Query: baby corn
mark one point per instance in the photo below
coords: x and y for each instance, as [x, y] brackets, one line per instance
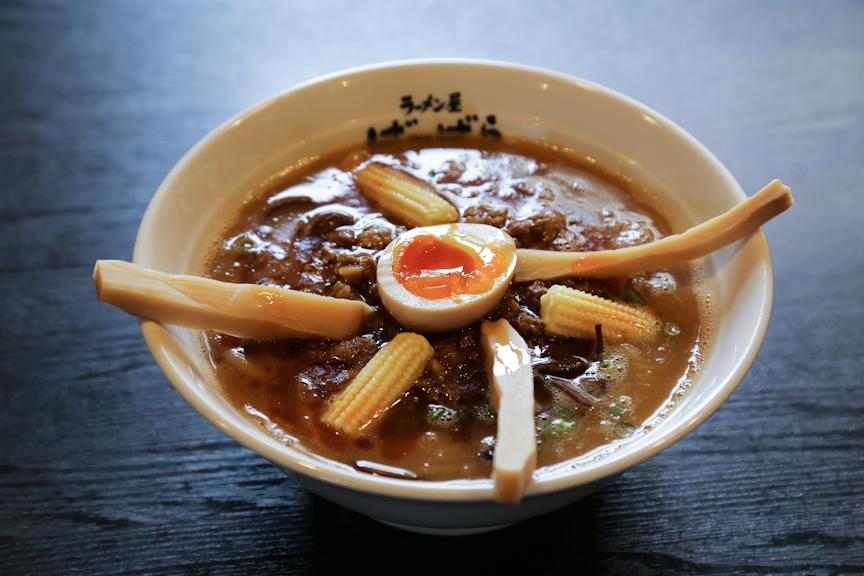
[387, 376]
[573, 313]
[404, 197]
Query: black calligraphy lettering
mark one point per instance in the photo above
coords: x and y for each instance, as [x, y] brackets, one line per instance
[454, 103]
[490, 131]
[395, 129]
[461, 127]
[407, 104]
[427, 103]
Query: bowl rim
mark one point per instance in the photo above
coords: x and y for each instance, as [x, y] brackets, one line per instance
[319, 468]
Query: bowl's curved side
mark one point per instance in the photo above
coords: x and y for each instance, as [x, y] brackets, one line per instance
[217, 173]
[449, 518]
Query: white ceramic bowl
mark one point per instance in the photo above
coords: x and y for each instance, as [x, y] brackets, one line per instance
[207, 186]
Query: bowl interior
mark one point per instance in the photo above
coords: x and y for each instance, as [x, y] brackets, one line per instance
[203, 191]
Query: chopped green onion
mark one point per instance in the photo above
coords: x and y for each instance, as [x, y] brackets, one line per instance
[555, 429]
[617, 410]
[623, 429]
[632, 295]
[440, 417]
[564, 412]
[559, 425]
[438, 413]
[243, 243]
[671, 329]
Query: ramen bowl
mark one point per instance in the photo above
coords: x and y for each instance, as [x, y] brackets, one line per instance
[487, 99]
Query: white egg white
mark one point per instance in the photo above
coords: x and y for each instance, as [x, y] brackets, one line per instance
[438, 315]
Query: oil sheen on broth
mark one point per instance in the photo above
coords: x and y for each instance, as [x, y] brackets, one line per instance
[312, 230]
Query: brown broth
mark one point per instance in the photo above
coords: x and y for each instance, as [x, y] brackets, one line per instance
[310, 225]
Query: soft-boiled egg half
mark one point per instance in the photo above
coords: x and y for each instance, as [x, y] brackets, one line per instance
[437, 278]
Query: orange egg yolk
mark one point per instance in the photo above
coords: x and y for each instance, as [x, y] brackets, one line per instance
[434, 267]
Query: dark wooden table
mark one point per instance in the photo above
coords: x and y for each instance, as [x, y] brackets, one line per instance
[105, 469]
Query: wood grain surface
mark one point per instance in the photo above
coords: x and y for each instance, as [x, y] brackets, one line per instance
[104, 468]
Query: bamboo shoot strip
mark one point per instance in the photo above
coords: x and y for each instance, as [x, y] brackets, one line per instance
[701, 240]
[243, 310]
[512, 383]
